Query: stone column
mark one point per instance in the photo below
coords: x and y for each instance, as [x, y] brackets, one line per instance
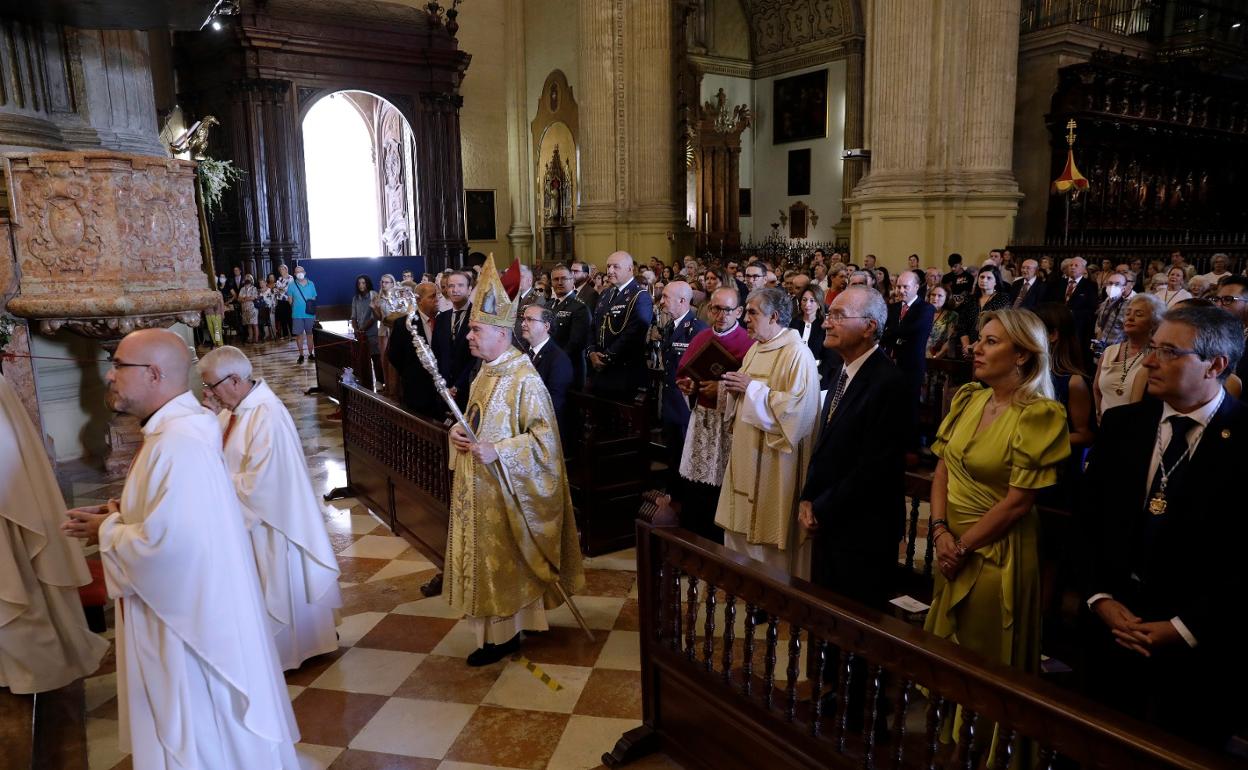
[854, 134]
[519, 165]
[940, 131]
[599, 59]
[31, 96]
[118, 106]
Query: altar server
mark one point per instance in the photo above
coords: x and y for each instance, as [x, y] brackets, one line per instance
[298, 571]
[199, 685]
[44, 640]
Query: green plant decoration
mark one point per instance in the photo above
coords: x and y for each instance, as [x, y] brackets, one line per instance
[215, 177]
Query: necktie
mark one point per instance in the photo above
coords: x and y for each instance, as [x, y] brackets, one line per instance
[1070, 289]
[901, 314]
[1179, 428]
[456, 319]
[533, 354]
[841, 383]
[229, 427]
[1022, 294]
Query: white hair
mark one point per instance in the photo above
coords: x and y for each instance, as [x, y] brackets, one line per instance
[526, 271]
[225, 361]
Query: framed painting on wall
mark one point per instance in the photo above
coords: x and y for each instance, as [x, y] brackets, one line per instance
[744, 202]
[799, 172]
[797, 223]
[800, 107]
[479, 213]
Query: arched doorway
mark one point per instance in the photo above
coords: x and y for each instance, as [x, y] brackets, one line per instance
[357, 150]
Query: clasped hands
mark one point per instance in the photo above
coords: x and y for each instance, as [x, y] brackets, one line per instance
[708, 389]
[1132, 632]
[598, 360]
[736, 382]
[483, 451]
[948, 559]
[84, 523]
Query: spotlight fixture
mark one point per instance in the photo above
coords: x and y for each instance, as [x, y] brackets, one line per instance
[222, 9]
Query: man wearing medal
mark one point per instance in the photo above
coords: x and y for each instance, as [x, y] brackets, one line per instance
[617, 353]
[1162, 537]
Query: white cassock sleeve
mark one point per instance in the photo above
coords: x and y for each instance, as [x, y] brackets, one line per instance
[754, 410]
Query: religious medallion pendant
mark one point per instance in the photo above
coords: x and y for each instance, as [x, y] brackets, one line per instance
[1157, 505]
[1118, 391]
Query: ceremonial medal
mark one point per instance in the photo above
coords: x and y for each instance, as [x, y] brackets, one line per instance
[1157, 505]
[1118, 391]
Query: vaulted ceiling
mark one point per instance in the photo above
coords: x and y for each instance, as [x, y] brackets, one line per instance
[779, 27]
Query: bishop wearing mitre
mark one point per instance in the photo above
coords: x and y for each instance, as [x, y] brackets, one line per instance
[298, 570]
[44, 640]
[774, 405]
[198, 680]
[511, 534]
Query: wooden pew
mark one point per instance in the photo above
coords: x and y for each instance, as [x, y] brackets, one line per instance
[397, 464]
[712, 697]
[337, 349]
[608, 468]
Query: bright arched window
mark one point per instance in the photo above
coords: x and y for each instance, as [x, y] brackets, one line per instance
[341, 175]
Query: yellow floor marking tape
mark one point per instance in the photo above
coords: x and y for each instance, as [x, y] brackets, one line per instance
[537, 671]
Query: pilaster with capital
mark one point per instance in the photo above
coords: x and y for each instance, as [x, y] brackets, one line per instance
[440, 181]
[520, 236]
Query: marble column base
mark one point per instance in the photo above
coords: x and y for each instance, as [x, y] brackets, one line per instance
[932, 225]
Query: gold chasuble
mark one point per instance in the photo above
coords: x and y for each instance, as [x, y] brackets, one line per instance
[512, 531]
[773, 436]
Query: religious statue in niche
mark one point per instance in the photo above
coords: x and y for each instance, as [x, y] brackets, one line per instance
[554, 97]
[395, 234]
[557, 192]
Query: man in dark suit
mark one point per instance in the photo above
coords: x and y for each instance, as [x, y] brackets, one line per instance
[677, 335]
[1233, 297]
[905, 338]
[584, 287]
[419, 394]
[617, 354]
[1163, 535]
[1082, 297]
[551, 362]
[1028, 290]
[450, 338]
[853, 502]
[572, 322]
[526, 296]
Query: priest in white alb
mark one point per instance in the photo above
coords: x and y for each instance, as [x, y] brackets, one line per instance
[774, 403]
[298, 570]
[199, 684]
[44, 640]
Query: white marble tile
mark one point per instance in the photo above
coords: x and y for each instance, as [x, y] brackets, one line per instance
[458, 642]
[621, 560]
[431, 607]
[586, 739]
[376, 547]
[103, 744]
[622, 651]
[519, 688]
[353, 627]
[293, 690]
[414, 728]
[314, 757]
[599, 612]
[99, 690]
[378, 672]
[399, 568]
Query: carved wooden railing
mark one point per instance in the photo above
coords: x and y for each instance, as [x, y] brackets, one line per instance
[397, 463]
[718, 692]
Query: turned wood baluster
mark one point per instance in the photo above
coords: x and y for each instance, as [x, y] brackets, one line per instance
[708, 641]
[842, 725]
[899, 723]
[967, 736]
[673, 599]
[769, 670]
[1005, 748]
[935, 716]
[795, 658]
[913, 537]
[730, 622]
[821, 664]
[747, 655]
[874, 693]
[691, 620]
[931, 547]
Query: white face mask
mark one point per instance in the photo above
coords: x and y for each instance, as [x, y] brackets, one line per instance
[1113, 292]
[221, 280]
[300, 275]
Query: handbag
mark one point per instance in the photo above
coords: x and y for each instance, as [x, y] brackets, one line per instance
[309, 305]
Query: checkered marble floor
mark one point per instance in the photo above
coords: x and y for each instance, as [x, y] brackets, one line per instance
[397, 692]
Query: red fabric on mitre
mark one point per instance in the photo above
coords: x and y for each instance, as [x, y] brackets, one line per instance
[510, 279]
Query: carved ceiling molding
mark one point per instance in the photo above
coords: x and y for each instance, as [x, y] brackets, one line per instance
[812, 56]
[777, 27]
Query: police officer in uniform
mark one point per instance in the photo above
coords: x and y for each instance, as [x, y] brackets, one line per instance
[676, 338]
[572, 322]
[617, 355]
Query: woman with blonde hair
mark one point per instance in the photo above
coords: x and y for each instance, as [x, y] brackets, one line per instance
[1120, 374]
[1002, 441]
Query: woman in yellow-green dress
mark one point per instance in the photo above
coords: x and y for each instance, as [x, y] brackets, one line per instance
[1002, 441]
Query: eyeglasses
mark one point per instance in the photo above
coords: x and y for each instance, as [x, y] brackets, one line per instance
[754, 276]
[123, 364]
[1166, 353]
[836, 318]
[527, 320]
[218, 382]
[1228, 301]
[721, 309]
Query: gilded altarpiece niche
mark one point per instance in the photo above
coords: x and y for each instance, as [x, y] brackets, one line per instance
[556, 173]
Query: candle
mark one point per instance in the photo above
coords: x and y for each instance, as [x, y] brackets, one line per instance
[706, 222]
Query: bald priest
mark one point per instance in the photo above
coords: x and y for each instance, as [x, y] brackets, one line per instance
[198, 681]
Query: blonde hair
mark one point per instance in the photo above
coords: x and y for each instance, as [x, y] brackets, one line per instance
[1026, 331]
